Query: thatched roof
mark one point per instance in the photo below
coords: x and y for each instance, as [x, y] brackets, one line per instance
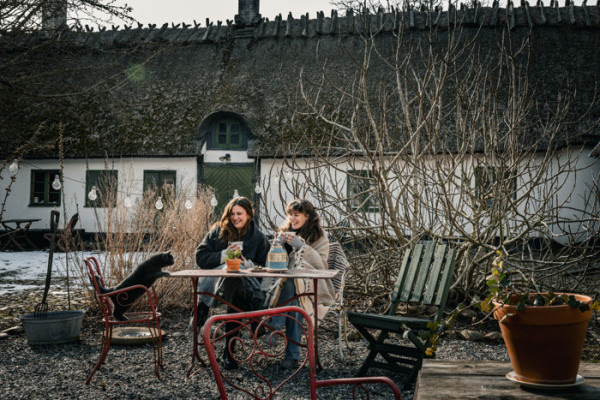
[147, 90]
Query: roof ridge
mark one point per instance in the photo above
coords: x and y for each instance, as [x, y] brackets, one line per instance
[353, 23]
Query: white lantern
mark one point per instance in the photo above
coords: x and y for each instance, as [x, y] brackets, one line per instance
[214, 202]
[188, 204]
[14, 167]
[56, 184]
[127, 202]
[257, 188]
[93, 195]
[235, 194]
[159, 204]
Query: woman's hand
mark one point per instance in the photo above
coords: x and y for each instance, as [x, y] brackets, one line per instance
[293, 240]
[281, 238]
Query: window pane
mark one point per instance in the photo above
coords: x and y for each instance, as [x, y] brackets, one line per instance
[169, 178]
[53, 195]
[151, 179]
[227, 133]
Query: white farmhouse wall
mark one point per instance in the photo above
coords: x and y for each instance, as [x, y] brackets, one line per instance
[575, 194]
[130, 178]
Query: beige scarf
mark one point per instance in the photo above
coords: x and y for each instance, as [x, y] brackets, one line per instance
[313, 257]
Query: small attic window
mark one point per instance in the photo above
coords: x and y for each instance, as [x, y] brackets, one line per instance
[228, 134]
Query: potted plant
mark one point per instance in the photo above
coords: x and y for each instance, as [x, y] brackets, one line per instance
[543, 331]
[233, 258]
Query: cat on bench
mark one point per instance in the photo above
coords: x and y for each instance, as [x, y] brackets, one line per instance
[145, 274]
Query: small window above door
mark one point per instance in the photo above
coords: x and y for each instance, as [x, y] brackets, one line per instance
[227, 134]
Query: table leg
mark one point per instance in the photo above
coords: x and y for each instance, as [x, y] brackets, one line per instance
[195, 354]
[316, 325]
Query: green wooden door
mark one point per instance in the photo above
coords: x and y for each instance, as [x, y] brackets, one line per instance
[225, 179]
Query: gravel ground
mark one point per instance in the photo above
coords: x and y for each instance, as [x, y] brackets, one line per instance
[59, 371]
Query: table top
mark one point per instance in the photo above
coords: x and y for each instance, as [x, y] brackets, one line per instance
[483, 380]
[291, 273]
[19, 220]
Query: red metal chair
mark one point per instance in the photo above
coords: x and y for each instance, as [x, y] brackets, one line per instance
[259, 377]
[149, 316]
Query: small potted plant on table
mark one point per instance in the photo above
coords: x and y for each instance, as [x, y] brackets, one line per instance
[233, 258]
[543, 331]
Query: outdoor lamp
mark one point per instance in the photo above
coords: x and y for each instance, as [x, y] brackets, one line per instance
[235, 194]
[93, 195]
[214, 201]
[257, 189]
[158, 204]
[127, 201]
[56, 183]
[189, 204]
[14, 167]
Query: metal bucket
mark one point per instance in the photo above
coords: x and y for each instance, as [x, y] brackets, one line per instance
[58, 327]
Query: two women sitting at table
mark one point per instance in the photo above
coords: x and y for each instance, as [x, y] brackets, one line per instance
[307, 246]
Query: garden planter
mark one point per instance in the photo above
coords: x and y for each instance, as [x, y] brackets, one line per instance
[55, 328]
[233, 265]
[544, 342]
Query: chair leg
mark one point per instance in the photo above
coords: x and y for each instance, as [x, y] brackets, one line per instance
[156, 346]
[373, 353]
[340, 349]
[105, 347]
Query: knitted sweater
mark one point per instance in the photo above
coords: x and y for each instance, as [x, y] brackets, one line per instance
[313, 256]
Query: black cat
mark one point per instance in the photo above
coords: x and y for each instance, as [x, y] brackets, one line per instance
[144, 274]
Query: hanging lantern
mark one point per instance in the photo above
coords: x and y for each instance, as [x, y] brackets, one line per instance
[93, 194]
[188, 203]
[214, 202]
[257, 189]
[127, 202]
[235, 194]
[159, 204]
[14, 167]
[56, 183]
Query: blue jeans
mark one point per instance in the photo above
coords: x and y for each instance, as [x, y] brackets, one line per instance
[293, 330]
[243, 293]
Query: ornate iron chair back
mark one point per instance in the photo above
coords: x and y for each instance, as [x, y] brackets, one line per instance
[258, 374]
[148, 316]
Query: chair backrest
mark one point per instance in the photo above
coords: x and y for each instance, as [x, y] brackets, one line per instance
[71, 225]
[425, 276]
[337, 261]
[261, 373]
[94, 271]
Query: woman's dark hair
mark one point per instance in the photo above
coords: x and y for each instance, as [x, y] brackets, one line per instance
[228, 232]
[312, 230]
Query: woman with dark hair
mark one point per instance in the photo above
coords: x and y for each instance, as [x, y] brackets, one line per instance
[236, 225]
[307, 246]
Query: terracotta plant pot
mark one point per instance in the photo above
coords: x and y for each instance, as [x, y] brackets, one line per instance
[544, 342]
[233, 265]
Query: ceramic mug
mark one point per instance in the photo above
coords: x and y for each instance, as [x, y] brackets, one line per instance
[238, 244]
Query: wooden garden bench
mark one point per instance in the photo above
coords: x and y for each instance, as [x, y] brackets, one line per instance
[424, 278]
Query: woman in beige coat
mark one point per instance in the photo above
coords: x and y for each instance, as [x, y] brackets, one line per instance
[307, 246]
